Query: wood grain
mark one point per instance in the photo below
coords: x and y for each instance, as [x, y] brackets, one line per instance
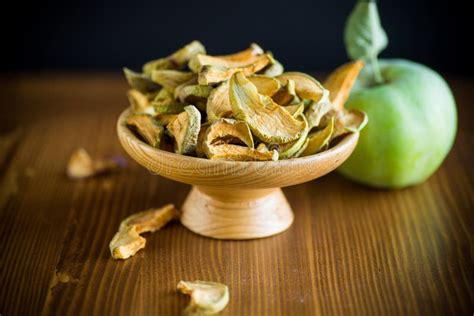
[236, 214]
[350, 250]
[234, 174]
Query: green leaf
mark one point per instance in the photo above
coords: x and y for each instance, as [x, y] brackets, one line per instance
[364, 36]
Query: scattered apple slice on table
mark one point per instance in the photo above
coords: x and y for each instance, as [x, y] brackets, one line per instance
[207, 298]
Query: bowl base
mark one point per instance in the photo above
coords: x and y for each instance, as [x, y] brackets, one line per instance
[225, 213]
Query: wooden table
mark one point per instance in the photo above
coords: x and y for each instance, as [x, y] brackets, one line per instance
[350, 250]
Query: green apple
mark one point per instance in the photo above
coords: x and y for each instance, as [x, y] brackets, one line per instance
[412, 125]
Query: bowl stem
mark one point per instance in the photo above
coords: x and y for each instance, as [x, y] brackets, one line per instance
[232, 213]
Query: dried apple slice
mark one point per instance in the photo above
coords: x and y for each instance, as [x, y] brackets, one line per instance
[163, 96]
[349, 121]
[267, 120]
[218, 103]
[273, 70]
[207, 298]
[127, 241]
[316, 110]
[194, 93]
[210, 74]
[164, 103]
[158, 64]
[319, 139]
[177, 60]
[168, 107]
[139, 102]
[147, 127]
[341, 81]
[288, 150]
[253, 50]
[185, 129]
[228, 131]
[229, 139]
[182, 56]
[302, 148]
[81, 165]
[202, 132]
[265, 85]
[237, 60]
[262, 147]
[150, 220]
[165, 119]
[140, 82]
[306, 86]
[296, 109]
[239, 153]
[170, 79]
[286, 95]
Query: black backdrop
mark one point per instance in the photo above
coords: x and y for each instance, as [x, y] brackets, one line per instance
[304, 35]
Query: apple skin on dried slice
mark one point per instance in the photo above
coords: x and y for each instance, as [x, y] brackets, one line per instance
[290, 149]
[192, 94]
[267, 120]
[168, 108]
[319, 139]
[164, 103]
[185, 130]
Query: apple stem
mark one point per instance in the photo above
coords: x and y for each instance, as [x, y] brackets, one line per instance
[376, 69]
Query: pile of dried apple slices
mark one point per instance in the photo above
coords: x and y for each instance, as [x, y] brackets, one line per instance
[238, 107]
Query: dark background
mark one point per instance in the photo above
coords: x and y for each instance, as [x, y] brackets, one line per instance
[303, 35]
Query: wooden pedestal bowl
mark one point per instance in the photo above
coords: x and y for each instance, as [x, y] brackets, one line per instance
[235, 199]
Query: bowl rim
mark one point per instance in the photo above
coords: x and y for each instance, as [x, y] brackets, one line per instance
[346, 141]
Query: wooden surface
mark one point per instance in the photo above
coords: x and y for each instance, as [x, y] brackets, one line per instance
[350, 250]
